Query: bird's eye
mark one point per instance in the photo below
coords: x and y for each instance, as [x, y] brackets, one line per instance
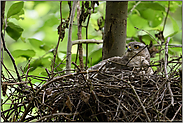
[136, 46]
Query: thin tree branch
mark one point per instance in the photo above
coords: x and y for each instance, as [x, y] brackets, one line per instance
[172, 45]
[60, 37]
[166, 56]
[87, 38]
[87, 41]
[138, 98]
[165, 68]
[56, 114]
[26, 110]
[14, 83]
[134, 7]
[69, 43]
[7, 70]
[166, 15]
[12, 59]
[176, 113]
[80, 48]
[2, 12]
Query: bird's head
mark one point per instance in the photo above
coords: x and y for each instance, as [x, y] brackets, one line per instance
[134, 47]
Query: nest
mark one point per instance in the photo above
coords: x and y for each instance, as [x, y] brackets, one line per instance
[125, 96]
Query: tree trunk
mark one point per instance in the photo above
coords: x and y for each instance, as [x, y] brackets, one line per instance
[115, 29]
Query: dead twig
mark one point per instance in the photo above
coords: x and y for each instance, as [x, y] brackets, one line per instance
[69, 43]
[166, 15]
[87, 41]
[58, 42]
[56, 114]
[165, 68]
[17, 83]
[134, 7]
[138, 98]
[80, 47]
[176, 113]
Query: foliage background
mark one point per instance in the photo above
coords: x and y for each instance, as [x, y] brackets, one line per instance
[37, 24]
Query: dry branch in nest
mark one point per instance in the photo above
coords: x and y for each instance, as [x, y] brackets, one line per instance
[120, 96]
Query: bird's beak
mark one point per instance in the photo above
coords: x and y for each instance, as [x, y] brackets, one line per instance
[129, 49]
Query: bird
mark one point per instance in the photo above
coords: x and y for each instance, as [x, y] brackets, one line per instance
[136, 58]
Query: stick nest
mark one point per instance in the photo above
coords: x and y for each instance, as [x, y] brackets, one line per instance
[80, 96]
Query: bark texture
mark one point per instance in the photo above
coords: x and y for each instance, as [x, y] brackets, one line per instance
[115, 29]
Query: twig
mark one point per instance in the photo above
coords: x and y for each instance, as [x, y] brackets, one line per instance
[138, 98]
[80, 48]
[2, 12]
[173, 45]
[149, 34]
[60, 62]
[48, 73]
[76, 109]
[32, 87]
[96, 99]
[166, 15]
[176, 113]
[166, 60]
[134, 7]
[60, 37]
[26, 111]
[87, 41]
[15, 83]
[118, 106]
[76, 66]
[87, 38]
[69, 43]
[81, 74]
[8, 70]
[12, 59]
[56, 114]
[60, 77]
[166, 57]
[26, 76]
[9, 97]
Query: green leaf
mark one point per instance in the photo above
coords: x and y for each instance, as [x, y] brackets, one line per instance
[150, 5]
[172, 34]
[131, 31]
[138, 21]
[46, 62]
[147, 38]
[24, 53]
[175, 50]
[45, 47]
[174, 5]
[35, 43]
[154, 17]
[14, 31]
[39, 44]
[15, 9]
[175, 25]
[17, 16]
[44, 73]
